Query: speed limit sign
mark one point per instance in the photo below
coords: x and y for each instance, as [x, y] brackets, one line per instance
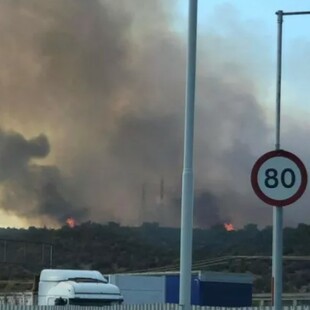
[279, 178]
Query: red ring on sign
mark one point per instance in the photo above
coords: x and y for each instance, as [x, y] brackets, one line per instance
[265, 198]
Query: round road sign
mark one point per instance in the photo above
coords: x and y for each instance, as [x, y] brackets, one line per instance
[279, 178]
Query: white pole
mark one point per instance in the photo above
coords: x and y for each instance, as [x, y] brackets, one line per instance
[277, 240]
[188, 179]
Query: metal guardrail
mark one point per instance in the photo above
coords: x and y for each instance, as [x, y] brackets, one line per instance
[289, 299]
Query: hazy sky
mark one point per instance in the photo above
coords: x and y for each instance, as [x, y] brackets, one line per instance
[259, 19]
[255, 11]
[92, 108]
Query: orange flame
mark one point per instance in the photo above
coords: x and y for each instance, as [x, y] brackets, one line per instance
[71, 222]
[229, 226]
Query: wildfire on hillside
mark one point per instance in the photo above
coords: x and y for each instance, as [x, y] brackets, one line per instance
[71, 222]
[229, 226]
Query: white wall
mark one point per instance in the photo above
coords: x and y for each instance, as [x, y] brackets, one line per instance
[140, 289]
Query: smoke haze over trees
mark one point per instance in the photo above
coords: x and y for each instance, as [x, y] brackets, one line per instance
[92, 109]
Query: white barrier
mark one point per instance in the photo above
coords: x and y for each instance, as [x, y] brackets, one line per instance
[141, 307]
[26, 300]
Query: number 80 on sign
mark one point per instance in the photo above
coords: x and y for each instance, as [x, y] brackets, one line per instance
[279, 178]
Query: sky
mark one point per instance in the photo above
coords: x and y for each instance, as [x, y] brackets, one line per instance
[256, 11]
[260, 16]
[92, 109]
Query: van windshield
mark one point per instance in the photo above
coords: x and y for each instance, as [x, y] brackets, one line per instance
[87, 280]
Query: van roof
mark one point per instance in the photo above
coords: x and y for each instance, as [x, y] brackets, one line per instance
[52, 275]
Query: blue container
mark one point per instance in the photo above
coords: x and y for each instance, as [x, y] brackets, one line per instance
[213, 289]
[225, 294]
[172, 289]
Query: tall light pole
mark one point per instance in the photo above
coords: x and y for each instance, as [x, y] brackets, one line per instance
[277, 236]
[188, 174]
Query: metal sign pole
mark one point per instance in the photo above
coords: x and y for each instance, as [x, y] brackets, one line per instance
[279, 196]
[188, 175]
[277, 246]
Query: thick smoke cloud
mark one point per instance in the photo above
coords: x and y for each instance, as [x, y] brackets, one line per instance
[104, 81]
[28, 189]
[16, 152]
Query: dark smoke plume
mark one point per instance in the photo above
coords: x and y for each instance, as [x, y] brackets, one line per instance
[206, 211]
[104, 80]
[29, 189]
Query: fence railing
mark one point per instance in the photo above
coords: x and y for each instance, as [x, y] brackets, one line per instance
[26, 300]
[142, 307]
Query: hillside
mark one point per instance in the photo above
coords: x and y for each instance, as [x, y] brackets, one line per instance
[112, 248]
